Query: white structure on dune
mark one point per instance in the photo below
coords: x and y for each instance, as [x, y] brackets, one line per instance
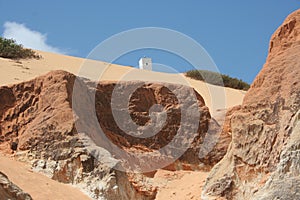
[145, 63]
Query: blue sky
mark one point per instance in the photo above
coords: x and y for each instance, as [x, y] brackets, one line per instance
[235, 33]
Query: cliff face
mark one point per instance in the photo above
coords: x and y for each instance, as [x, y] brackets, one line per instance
[263, 159]
[44, 122]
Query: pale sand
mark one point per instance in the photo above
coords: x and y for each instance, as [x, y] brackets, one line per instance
[37, 185]
[215, 97]
[179, 185]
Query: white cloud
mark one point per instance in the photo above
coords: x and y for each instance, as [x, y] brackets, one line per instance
[28, 38]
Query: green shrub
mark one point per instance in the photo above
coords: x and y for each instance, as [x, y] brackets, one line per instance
[217, 79]
[9, 49]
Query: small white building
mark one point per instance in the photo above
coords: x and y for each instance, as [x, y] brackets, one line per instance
[145, 63]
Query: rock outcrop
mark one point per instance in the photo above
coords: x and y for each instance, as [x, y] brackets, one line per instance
[163, 122]
[262, 161]
[8, 190]
[219, 137]
[49, 122]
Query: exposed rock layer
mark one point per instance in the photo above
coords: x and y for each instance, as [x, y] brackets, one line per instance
[263, 159]
[41, 121]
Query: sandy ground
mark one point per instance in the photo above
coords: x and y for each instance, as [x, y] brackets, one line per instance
[216, 98]
[37, 185]
[179, 185]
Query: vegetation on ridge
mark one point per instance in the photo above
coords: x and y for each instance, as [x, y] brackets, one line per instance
[10, 49]
[217, 79]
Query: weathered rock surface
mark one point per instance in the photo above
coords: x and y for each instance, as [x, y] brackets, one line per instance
[10, 191]
[219, 137]
[43, 123]
[148, 128]
[263, 159]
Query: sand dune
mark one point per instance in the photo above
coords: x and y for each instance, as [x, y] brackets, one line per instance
[215, 97]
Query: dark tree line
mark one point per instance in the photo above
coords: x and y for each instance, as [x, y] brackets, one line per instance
[10, 49]
[217, 79]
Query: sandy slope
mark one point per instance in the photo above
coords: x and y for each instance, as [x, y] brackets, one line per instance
[179, 185]
[37, 185]
[16, 71]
